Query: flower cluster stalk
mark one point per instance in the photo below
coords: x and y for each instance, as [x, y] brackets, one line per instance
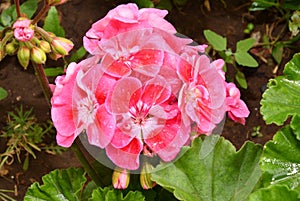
[18, 10]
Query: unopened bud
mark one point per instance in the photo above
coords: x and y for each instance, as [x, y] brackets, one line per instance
[145, 177]
[61, 46]
[45, 46]
[37, 55]
[24, 56]
[120, 178]
[11, 48]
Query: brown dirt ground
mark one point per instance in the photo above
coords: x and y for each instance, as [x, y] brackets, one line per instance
[228, 20]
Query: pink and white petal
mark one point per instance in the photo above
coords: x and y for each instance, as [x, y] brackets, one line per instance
[119, 99]
[61, 101]
[65, 141]
[126, 157]
[240, 120]
[100, 133]
[91, 45]
[213, 82]
[156, 91]
[172, 148]
[105, 86]
[240, 109]
[119, 69]
[148, 61]
[219, 64]
[165, 133]
[155, 18]
[184, 70]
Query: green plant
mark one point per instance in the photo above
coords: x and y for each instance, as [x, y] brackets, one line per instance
[23, 133]
[211, 169]
[4, 196]
[274, 39]
[162, 4]
[240, 56]
[256, 132]
[3, 93]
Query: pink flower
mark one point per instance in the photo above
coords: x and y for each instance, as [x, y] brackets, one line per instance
[237, 109]
[23, 30]
[122, 19]
[140, 50]
[202, 97]
[148, 120]
[77, 105]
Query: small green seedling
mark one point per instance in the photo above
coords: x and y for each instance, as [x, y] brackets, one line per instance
[240, 56]
[256, 132]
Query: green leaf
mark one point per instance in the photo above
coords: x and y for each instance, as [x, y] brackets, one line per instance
[52, 23]
[7, 16]
[281, 159]
[88, 190]
[241, 79]
[58, 185]
[78, 55]
[282, 98]
[144, 3]
[245, 59]
[262, 4]
[295, 125]
[217, 41]
[3, 93]
[244, 45]
[291, 4]
[277, 52]
[28, 8]
[108, 194]
[276, 192]
[166, 4]
[212, 170]
[54, 71]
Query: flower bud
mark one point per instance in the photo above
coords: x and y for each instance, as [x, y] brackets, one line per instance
[120, 178]
[55, 2]
[37, 55]
[23, 56]
[61, 46]
[145, 177]
[11, 48]
[23, 30]
[45, 46]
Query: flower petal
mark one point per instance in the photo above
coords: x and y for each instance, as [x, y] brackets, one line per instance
[127, 157]
[118, 101]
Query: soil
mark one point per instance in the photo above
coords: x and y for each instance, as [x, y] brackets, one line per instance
[228, 19]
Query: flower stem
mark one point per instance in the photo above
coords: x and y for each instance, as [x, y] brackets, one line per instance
[18, 10]
[85, 163]
[43, 80]
[41, 13]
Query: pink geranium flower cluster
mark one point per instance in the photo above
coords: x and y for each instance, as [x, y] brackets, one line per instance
[143, 90]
